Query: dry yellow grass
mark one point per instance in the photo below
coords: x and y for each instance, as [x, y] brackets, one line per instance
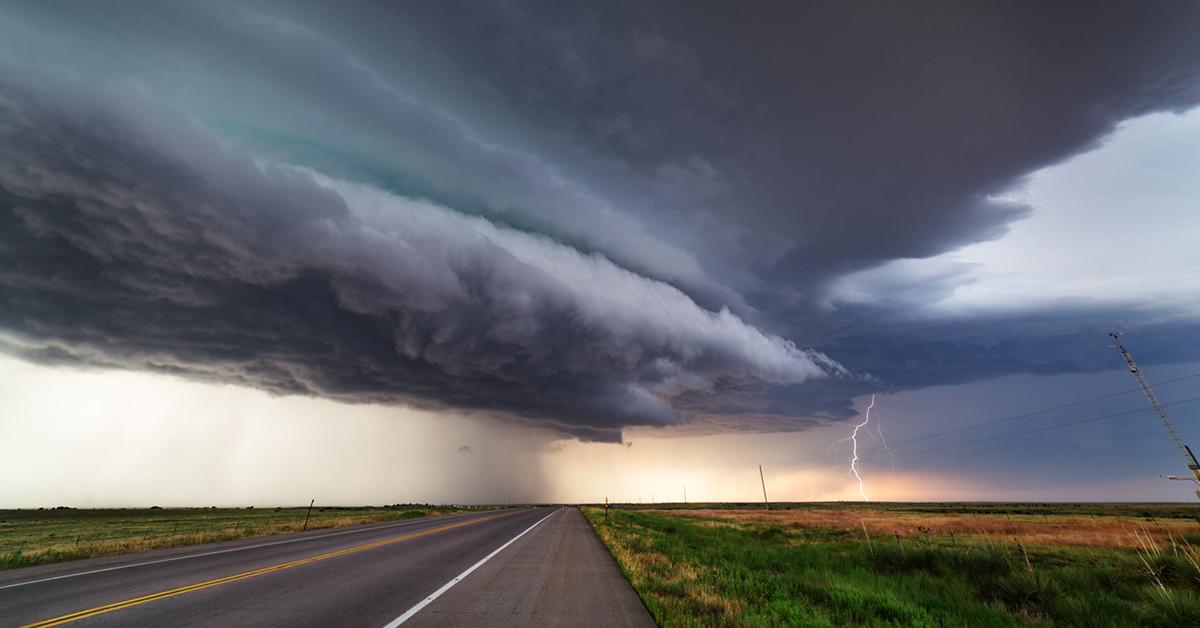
[1100, 532]
[70, 547]
[32, 537]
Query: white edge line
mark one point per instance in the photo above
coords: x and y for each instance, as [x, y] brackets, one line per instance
[446, 587]
[232, 549]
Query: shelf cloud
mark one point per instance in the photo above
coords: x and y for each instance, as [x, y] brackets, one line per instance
[588, 216]
[135, 239]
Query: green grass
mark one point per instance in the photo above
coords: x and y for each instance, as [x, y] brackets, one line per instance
[692, 571]
[33, 537]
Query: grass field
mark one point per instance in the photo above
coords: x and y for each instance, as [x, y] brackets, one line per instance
[33, 537]
[911, 564]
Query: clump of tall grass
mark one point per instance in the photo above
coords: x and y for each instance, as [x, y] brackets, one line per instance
[1173, 563]
[1085, 610]
[1173, 568]
[1029, 590]
[1170, 607]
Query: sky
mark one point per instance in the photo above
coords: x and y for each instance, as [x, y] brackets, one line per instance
[562, 251]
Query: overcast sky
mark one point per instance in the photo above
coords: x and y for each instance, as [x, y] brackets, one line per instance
[475, 251]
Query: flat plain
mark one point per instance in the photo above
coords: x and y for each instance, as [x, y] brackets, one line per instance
[38, 536]
[966, 564]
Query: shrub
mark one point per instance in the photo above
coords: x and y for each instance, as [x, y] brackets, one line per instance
[771, 533]
[1174, 570]
[896, 558]
[1028, 590]
[983, 563]
[1087, 610]
[1170, 607]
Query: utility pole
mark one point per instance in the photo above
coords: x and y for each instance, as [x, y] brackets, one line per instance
[1159, 410]
[685, 493]
[310, 504]
[764, 485]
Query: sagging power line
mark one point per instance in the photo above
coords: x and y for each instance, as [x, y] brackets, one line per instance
[1032, 431]
[872, 455]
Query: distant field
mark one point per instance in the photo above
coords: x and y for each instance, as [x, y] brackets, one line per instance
[911, 564]
[33, 537]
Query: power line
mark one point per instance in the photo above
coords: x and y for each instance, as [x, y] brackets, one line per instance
[1036, 430]
[1027, 414]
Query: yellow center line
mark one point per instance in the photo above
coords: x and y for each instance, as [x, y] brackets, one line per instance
[116, 606]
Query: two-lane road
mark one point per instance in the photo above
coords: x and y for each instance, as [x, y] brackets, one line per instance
[538, 566]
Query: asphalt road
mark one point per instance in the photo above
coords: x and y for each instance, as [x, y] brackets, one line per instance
[538, 566]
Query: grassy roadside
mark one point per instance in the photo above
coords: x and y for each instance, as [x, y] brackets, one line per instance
[34, 537]
[703, 568]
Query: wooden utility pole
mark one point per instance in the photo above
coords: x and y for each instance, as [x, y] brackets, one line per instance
[764, 485]
[306, 516]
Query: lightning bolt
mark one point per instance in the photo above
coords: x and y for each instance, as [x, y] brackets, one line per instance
[883, 441]
[862, 490]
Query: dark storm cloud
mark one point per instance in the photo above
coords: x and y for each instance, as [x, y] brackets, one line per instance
[802, 141]
[796, 142]
[858, 132]
[281, 84]
[748, 156]
[912, 354]
[131, 238]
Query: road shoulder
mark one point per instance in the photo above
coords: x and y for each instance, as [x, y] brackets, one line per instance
[559, 574]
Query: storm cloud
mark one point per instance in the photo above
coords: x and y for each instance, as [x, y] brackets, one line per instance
[134, 239]
[578, 215]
